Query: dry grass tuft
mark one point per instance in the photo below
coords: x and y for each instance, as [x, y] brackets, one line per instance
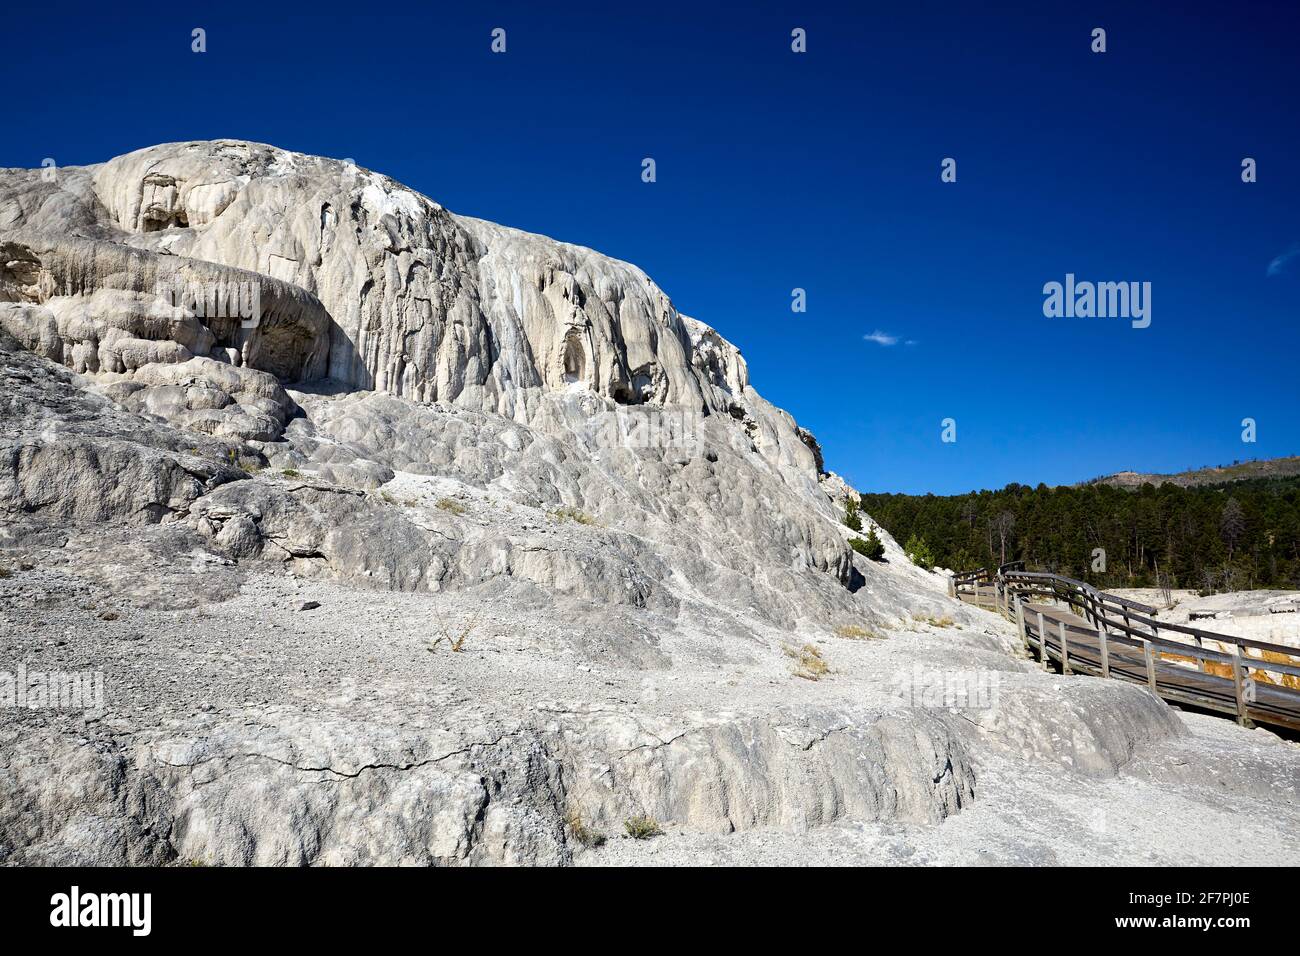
[583, 833]
[572, 514]
[455, 638]
[808, 662]
[451, 506]
[944, 621]
[854, 632]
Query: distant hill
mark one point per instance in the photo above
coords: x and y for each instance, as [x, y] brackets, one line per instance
[1215, 475]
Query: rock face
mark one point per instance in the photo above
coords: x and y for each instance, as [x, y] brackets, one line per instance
[424, 304]
[236, 290]
[579, 568]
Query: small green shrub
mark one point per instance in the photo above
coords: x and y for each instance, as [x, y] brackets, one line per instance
[851, 519]
[642, 828]
[919, 552]
[872, 548]
[875, 547]
[290, 472]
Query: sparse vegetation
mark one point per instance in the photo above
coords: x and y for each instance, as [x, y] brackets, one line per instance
[290, 473]
[872, 548]
[450, 505]
[855, 632]
[919, 552]
[851, 519]
[249, 465]
[572, 514]
[583, 833]
[642, 828]
[875, 547]
[808, 662]
[5, 572]
[944, 621]
[455, 639]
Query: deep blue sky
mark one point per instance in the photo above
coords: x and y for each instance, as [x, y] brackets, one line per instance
[819, 171]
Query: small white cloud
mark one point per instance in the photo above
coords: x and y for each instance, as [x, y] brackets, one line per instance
[1281, 262]
[881, 338]
[910, 342]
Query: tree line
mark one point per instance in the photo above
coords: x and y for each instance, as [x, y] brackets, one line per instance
[1228, 537]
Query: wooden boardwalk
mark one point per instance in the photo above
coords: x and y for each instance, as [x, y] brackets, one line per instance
[1070, 625]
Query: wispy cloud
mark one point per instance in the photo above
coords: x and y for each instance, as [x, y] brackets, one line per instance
[1280, 263]
[881, 338]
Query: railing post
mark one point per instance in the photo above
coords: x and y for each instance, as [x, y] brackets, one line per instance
[1065, 651]
[952, 586]
[1105, 651]
[1239, 686]
[1020, 622]
[1151, 666]
[1042, 642]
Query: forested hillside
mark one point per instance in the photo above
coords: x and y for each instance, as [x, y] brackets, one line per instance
[1235, 536]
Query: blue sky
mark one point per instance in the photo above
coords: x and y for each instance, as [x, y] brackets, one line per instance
[818, 171]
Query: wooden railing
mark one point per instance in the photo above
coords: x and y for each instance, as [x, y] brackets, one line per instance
[1110, 636]
[967, 582]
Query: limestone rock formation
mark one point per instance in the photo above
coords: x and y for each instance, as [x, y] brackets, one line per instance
[136, 274]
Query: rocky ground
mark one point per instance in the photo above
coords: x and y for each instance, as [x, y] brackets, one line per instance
[252, 730]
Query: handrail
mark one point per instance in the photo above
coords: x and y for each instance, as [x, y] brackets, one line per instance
[1110, 620]
[1084, 585]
